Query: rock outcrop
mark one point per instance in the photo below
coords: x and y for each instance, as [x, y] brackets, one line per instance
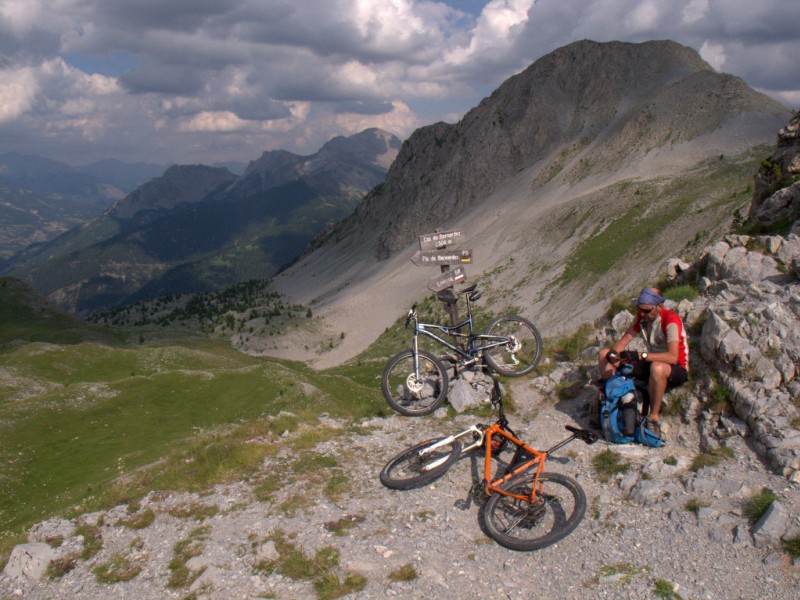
[751, 338]
[777, 191]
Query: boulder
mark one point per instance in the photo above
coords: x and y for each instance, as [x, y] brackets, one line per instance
[29, 560]
[772, 525]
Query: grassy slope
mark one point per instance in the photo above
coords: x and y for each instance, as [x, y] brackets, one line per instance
[688, 210]
[76, 413]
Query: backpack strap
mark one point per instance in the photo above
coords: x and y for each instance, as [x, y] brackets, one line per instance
[646, 330]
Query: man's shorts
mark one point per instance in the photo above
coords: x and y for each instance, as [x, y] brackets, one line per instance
[641, 371]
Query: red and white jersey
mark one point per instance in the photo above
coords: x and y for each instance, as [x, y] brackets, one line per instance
[668, 327]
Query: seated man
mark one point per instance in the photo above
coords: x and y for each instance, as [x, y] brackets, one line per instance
[665, 364]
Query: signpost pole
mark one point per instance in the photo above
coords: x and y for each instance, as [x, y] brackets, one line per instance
[452, 307]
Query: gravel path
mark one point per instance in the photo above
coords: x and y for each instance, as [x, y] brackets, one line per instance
[637, 529]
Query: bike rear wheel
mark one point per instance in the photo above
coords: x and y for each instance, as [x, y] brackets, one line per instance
[411, 469]
[521, 525]
[523, 351]
[413, 395]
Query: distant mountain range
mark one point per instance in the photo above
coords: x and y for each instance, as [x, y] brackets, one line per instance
[125, 176]
[41, 198]
[573, 182]
[198, 228]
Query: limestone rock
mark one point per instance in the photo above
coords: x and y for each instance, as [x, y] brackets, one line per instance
[29, 560]
[771, 526]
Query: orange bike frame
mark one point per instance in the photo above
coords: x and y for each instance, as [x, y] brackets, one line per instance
[536, 462]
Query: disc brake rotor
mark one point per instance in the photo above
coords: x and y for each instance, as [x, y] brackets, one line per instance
[413, 384]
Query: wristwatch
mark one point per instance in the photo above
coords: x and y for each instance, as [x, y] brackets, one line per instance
[644, 355]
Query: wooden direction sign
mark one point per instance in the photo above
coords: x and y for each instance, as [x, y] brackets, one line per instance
[447, 279]
[441, 239]
[435, 258]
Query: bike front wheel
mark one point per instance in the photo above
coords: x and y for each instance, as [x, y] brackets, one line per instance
[521, 353]
[414, 393]
[523, 525]
[415, 467]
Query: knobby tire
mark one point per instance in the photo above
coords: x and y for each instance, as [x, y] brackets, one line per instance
[406, 470]
[514, 362]
[525, 526]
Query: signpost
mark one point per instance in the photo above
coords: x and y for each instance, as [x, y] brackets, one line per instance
[447, 279]
[441, 239]
[434, 250]
[433, 258]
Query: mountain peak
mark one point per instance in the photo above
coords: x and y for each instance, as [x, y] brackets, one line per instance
[371, 147]
[605, 104]
[180, 184]
[583, 172]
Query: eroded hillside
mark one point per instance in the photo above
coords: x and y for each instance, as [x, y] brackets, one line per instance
[574, 182]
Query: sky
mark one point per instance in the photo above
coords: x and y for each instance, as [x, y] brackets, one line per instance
[205, 81]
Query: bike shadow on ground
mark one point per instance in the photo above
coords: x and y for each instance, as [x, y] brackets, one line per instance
[576, 401]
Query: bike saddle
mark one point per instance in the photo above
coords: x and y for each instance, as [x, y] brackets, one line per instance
[468, 289]
[590, 437]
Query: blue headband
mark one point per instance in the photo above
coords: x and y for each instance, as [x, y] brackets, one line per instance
[648, 296]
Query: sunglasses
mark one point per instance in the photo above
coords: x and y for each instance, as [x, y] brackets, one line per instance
[646, 311]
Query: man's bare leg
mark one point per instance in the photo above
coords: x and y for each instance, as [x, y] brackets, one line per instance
[659, 373]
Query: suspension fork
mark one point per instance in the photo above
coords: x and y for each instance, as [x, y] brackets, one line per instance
[415, 350]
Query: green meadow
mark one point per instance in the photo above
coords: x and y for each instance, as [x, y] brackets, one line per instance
[88, 420]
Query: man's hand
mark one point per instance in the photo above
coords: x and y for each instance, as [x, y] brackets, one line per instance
[613, 357]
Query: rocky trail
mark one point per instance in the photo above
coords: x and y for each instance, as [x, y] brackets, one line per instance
[660, 526]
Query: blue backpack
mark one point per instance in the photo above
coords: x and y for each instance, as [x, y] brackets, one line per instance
[620, 419]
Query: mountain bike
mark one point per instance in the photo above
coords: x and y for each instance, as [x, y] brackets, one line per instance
[526, 508]
[415, 382]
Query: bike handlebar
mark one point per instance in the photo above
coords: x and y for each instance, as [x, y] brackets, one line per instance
[623, 363]
[411, 312]
[590, 437]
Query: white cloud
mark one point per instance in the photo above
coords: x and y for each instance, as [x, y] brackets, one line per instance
[713, 54]
[499, 23]
[19, 17]
[695, 10]
[208, 121]
[18, 89]
[242, 76]
[644, 16]
[385, 24]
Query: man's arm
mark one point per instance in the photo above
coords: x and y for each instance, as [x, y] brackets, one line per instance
[622, 342]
